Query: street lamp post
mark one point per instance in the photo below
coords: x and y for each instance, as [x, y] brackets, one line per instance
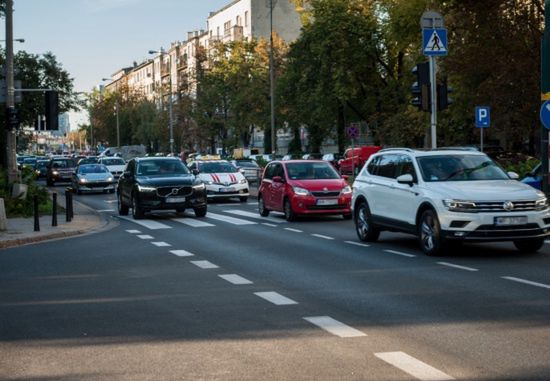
[271, 80]
[11, 160]
[170, 116]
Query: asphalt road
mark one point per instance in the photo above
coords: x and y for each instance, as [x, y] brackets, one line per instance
[235, 296]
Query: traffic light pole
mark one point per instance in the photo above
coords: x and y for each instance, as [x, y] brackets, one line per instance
[11, 160]
[433, 89]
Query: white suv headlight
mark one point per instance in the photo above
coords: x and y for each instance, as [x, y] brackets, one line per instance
[460, 205]
[300, 191]
[541, 203]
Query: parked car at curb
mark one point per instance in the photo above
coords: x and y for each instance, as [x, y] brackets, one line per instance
[93, 178]
[447, 196]
[354, 159]
[159, 183]
[303, 187]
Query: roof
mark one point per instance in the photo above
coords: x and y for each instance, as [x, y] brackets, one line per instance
[434, 152]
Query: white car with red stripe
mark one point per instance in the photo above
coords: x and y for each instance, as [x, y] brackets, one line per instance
[222, 179]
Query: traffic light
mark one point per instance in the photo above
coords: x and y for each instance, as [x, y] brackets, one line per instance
[52, 110]
[443, 91]
[421, 88]
[13, 118]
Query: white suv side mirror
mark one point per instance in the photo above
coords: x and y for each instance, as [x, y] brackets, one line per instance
[406, 179]
[513, 175]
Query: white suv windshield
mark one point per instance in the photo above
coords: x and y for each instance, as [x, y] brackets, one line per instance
[459, 168]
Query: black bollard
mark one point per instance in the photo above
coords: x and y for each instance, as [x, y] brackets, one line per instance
[54, 209]
[71, 205]
[36, 216]
[67, 203]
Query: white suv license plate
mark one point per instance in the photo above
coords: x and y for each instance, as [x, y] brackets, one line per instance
[174, 200]
[506, 221]
[324, 202]
[227, 190]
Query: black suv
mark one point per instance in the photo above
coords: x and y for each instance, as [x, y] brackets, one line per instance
[153, 183]
[60, 170]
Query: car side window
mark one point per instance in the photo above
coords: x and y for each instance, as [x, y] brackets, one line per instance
[269, 171]
[373, 165]
[405, 167]
[387, 166]
[279, 171]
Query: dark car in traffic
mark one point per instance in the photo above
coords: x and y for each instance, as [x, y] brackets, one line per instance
[60, 170]
[159, 183]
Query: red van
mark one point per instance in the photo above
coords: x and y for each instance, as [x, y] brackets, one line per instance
[355, 158]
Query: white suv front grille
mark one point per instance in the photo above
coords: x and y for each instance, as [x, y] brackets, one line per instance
[504, 207]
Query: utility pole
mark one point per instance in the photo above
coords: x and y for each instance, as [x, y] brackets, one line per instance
[11, 161]
[117, 126]
[272, 80]
[545, 95]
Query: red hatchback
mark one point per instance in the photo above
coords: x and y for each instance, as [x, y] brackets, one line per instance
[297, 187]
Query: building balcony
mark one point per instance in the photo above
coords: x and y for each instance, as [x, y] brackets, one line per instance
[234, 33]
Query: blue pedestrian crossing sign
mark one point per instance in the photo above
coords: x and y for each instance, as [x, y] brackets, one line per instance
[434, 42]
[545, 114]
[483, 116]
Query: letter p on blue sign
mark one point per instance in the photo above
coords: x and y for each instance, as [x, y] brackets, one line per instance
[483, 116]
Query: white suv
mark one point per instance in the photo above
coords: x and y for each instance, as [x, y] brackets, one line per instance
[447, 195]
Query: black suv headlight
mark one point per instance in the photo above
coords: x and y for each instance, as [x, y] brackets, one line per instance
[146, 189]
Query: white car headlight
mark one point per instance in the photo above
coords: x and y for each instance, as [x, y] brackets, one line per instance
[300, 191]
[109, 179]
[243, 181]
[55, 172]
[82, 180]
[208, 182]
[346, 189]
[541, 203]
[459, 205]
[142, 188]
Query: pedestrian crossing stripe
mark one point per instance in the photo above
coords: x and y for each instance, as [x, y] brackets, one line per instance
[435, 42]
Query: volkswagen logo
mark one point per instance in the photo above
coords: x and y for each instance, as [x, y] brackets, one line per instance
[508, 206]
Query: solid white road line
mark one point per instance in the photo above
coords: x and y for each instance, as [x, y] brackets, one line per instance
[525, 281]
[235, 279]
[400, 253]
[105, 210]
[267, 224]
[412, 366]
[357, 243]
[182, 253]
[244, 213]
[192, 222]
[322, 236]
[275, 298]
[133, 231]
[231, 220]
[294, 230]
[334, 326]
[204, 264]
[145, 236]
[161, 244]
[149, 224]
[457, 266]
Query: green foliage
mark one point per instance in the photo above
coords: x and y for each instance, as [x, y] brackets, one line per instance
[519, 163]
[24, 207]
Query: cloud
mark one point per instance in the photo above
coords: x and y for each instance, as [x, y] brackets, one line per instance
[107, 5]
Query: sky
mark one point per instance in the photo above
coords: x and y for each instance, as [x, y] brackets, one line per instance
[92, 39]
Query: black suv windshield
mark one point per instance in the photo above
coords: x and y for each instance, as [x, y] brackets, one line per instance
[161, 168]
[460, 168]
[311, 171]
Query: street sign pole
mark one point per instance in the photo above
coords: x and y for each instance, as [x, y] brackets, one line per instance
[545, 89]
[481, 142]
[433, 77]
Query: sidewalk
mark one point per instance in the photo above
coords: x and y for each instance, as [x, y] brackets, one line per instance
[20, 231]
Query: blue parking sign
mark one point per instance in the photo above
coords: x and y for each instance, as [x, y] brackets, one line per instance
[545, 114]
[483, 116]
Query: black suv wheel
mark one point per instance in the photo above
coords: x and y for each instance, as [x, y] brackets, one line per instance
[122, 209]
[137, 211]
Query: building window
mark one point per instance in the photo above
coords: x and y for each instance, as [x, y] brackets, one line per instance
[226, 26]
[238, 21]
[246, 18]
[218, 31]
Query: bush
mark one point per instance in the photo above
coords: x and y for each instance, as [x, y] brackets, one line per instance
[23, 207]
[517, 162]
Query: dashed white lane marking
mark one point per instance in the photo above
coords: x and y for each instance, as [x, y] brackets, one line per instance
[413, 366]
[145, 236]
[294, 230]
[134, 231]
[357, 243]
[244, 213]
[334, 326]
[525, 281]
[235, 279]
[252, 203]
[268, 224]
[149, 224]
[192, 222]
[110, 201]
[322, 236]
[400, 253]
[182, 253]
[457, 266]
[105, 210]
[161, 244]
[204, 264]
[275, 298]
[231, 220]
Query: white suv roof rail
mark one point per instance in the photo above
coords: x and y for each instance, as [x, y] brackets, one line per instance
[398, 149]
